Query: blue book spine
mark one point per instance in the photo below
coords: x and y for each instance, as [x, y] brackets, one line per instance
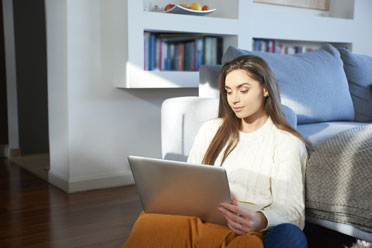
[256, 45]
[199, 43]
[152, 52]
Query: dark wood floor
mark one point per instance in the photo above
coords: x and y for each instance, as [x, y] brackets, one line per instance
[36, 214]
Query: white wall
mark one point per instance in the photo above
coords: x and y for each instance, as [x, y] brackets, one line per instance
[363, 27]
[93, 125]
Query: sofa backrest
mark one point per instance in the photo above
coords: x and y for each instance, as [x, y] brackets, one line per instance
[208, 80]
[358, 69]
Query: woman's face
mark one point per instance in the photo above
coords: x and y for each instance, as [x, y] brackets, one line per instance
[245, 95]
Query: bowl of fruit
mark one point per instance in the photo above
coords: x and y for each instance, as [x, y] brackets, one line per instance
[193, 9]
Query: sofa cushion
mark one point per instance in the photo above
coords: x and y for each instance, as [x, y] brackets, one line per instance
[313, 84]
[290, 115]
[358, 69]
[317, 133]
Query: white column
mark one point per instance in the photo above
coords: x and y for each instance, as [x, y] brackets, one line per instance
[57, 57]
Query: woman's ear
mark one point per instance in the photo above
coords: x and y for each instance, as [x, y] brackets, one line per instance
[265, 92]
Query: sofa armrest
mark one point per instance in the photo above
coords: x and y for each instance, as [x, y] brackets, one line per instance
[181, 118]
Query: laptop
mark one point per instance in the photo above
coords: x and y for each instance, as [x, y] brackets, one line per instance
[180, 188]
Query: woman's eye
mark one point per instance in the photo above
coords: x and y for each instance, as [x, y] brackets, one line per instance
[228, 92]
[244, 91]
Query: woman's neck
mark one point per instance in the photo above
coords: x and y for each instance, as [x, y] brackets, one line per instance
[251, 124]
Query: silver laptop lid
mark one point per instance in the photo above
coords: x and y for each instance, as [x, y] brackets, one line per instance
[172, 187]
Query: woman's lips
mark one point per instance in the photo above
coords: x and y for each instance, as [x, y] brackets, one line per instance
[237, 109]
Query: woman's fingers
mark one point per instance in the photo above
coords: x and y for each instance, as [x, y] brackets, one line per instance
[233, 216]
[230, 207]
[236, 223]
[237, 227]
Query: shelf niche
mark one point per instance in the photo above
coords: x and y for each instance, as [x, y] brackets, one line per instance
[292, 46]
[343, 9]
[223, 8]
[181, 51]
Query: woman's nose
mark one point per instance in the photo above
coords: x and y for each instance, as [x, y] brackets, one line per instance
[235, 98]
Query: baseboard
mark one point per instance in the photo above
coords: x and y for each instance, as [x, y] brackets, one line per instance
[90, 183]
[107, 181]
[13, 152]
[58, 180]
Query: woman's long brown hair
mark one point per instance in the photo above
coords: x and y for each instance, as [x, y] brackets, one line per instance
[228, 133]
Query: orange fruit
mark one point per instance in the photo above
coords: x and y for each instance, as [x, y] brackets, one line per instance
[168, 7]
[205, 7]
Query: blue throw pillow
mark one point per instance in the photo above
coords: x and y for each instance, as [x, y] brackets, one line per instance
[358, 69]
[313, 84]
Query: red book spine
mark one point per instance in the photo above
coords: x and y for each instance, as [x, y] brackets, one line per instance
[181, 50]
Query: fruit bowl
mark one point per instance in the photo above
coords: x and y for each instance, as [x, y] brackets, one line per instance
[177, 9]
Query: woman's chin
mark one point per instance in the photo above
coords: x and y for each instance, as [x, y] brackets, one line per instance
[240, 115]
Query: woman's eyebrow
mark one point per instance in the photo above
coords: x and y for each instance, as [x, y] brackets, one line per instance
[239, 86]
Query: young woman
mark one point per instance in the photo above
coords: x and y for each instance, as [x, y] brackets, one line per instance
[265, 160]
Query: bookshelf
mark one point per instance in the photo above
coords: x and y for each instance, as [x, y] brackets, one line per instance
[236, 22]
[291, 46]
[181, 52]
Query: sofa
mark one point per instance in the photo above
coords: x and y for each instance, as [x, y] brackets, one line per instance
[324, 93]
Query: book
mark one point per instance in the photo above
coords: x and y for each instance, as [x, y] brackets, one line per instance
[146, 53]
[152, 52]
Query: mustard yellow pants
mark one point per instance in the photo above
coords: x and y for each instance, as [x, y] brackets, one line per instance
[160, 230]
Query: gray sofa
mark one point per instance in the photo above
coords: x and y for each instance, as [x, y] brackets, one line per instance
[324, 93]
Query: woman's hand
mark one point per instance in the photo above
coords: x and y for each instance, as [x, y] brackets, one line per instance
[241, 220]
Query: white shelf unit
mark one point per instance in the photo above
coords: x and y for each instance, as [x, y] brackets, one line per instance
[237, 21]
[140, 20]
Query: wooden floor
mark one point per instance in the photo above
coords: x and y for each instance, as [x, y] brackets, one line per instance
[36, 214]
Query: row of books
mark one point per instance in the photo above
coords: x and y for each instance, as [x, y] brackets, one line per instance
[180, 52]
[274, 46]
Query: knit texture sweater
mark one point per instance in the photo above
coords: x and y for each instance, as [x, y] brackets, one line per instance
[266, 168]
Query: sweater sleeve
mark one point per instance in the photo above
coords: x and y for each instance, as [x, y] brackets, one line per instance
[287, 184]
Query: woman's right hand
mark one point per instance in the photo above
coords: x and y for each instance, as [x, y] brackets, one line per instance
[241, 220]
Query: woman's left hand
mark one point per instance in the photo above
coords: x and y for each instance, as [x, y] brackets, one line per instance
[241, 220]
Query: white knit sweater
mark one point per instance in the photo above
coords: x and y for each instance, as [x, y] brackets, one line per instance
[266, 168]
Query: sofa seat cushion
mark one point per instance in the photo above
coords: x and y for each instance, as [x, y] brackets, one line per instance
[358, 72]
[313, 84]
[317, 133]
